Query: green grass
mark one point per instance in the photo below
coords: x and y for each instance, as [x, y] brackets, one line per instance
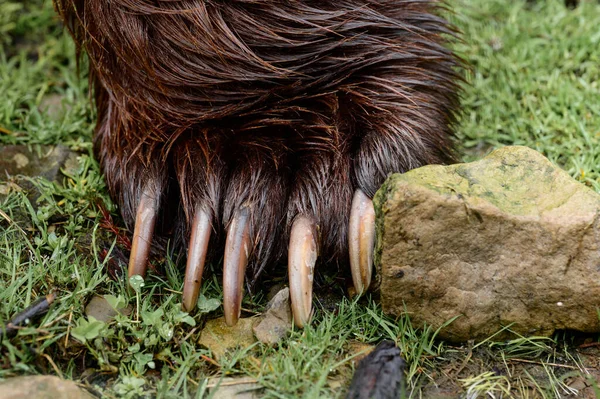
[534, 81]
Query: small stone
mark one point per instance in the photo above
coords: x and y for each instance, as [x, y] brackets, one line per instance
[511, 240]
[101, 310]
[37, 161]
[41, 387]
[579, 383]
[71, 165]
[274, 290]
[276, 321]
[52, 105]
[235, 388]
[220, 338]
[44, 161]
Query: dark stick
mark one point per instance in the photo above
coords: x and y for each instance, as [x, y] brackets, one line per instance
[32, 312]
[380, 375]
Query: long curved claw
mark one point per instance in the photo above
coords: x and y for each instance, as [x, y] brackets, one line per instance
[237, 251]
[201, 229]
[361, 240]
[144, 230]
[302, 256]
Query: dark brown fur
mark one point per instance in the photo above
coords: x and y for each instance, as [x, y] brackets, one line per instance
[285, 107]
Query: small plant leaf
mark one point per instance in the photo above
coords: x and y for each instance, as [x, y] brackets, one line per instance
[116, 302]
[152, 318]
[206, 305]
[136, 282]
[134, 348]
[87, 330]
[166, 331]
[143, 359]
[184, 317]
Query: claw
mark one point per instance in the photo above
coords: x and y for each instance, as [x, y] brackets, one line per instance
[361, 240]
[302, 256]
[237, 250]
[143, 231]
[201, 228]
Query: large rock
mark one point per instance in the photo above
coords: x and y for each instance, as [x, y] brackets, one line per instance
[41, 387]
[510, 240]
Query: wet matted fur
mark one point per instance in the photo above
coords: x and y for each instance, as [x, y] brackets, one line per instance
[279, 107]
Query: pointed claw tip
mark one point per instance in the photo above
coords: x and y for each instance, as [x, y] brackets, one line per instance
[302, 257]
[361, 241]
[237, 251]
[302, 317]
[198, 248]
[188, 304]
[231, 320]
[143, 231]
